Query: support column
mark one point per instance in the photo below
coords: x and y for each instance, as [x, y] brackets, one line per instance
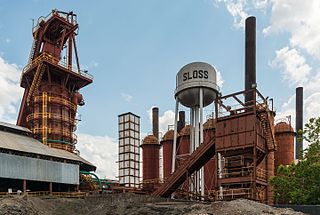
[175, 134]
[24, 186]
[201, 138]
[50, 187]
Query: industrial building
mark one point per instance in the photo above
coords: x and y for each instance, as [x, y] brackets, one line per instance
[27, 164]
[230, 154]
[39, 154]
[237, 150]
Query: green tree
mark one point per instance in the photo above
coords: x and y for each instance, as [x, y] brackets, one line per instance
[300, 183]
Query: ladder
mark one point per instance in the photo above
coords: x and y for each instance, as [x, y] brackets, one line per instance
[36, 81]
[266, 126]
[44, 118]
[33, 47]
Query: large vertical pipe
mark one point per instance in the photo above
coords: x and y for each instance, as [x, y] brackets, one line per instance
[201, 137]
[175, 135]
[299, 120]
[250, 56]
[182, 120]
[155, 122]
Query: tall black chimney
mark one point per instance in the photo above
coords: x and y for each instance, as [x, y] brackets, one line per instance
[155, 122]
[250, 56]
[299, 121]
[182, 120]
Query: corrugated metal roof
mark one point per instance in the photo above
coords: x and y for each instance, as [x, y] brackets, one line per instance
[15, 127]
[16, 142]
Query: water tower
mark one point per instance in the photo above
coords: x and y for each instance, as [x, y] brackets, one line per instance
[196, 88]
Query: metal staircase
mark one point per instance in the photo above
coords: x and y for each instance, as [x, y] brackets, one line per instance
[197, 159]
[33, 47]
[36, 81]
[265, 122]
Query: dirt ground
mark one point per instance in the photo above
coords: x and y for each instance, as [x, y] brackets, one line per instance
[130, 204]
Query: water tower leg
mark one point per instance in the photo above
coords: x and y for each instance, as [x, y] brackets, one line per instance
[175, 132]
[201, 137]
[192, 115]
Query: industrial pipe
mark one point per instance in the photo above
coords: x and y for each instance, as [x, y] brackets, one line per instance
[250, 56]
[299, 121]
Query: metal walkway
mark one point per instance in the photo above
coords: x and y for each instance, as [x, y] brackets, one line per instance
[197, 160]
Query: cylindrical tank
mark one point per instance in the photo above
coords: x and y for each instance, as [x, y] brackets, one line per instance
[284, 135]
[150, 158]
[209, 169]
[190, 79]
[60, 107]
[183, 150]
[166, 143]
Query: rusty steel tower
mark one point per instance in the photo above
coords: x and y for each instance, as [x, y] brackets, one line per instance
[51, 95]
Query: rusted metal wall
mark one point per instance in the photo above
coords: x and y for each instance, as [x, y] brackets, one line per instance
[167, 158]
[235, 133]
[210, 167]
[150, 159]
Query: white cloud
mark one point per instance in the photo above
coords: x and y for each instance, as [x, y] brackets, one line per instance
[10, 91]
[102, 151]
[237, 9]
[260, 4]
[287, 109]
[164, 121]
[292, 65]
[240, 9]
[126, 97]
[8, 40]
[301, 19]
[220, 80]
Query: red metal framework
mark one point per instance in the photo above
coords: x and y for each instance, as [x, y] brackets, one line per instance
[244, 142]
[51, 96]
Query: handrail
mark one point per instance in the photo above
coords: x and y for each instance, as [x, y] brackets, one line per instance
[152, 181]
[51, 59]
[45, 18]
[51, 116]
[57, 100]
[65, 133]
[234, 192]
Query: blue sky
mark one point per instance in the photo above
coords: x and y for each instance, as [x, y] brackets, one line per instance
[135, 48]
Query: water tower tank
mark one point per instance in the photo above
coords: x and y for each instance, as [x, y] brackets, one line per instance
[191, 78]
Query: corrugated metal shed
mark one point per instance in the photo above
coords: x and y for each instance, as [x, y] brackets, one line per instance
[4, 125]
[22, 167]
[21, 143]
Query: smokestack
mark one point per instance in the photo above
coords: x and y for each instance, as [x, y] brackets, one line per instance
[299, 120]
[182, 120]
[250, 56]
[155, 122]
